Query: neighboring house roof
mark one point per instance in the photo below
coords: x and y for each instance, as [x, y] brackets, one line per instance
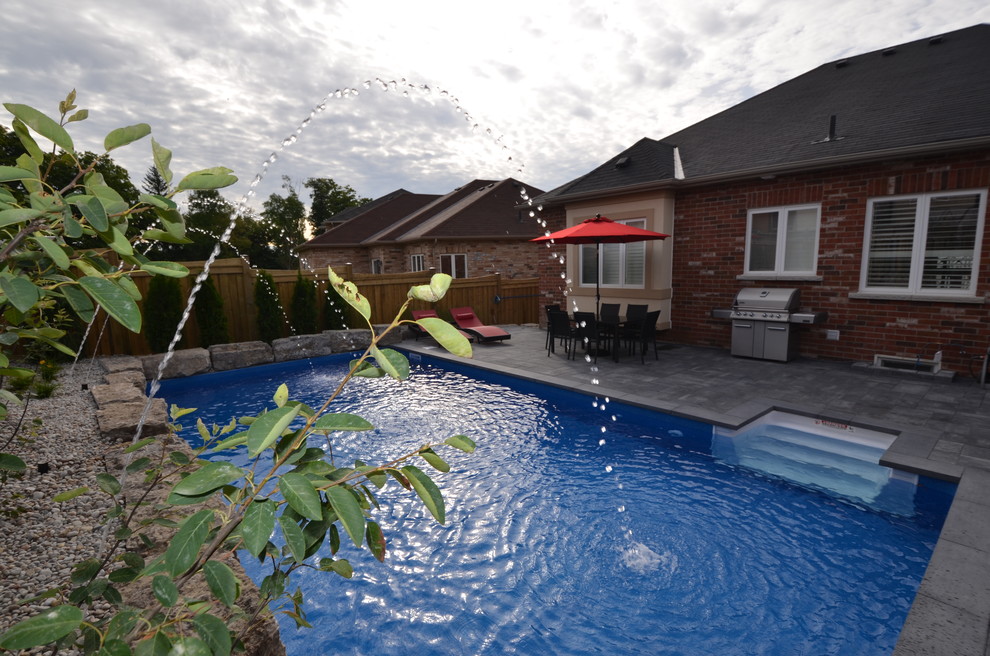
[370, 219]
[481, 209]
[929, 95]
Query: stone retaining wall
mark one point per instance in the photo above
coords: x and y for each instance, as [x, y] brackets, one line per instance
[223, 357]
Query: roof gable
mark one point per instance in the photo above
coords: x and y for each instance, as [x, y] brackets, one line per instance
[925, 94]
[372, 218]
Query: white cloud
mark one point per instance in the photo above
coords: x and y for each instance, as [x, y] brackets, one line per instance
[562, 86]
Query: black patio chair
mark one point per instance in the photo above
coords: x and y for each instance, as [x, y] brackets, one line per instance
[648, 334]
[586, 331]
[559, 329]
[629, 332]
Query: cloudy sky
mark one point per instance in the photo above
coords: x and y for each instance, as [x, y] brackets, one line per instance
[423, 95]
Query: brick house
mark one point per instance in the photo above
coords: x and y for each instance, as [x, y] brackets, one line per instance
[863, 183]
[475, 230]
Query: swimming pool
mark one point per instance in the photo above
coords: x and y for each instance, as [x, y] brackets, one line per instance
[585, 527]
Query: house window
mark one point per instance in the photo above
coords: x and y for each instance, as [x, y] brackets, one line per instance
[925, 244]
[782, 240]
[621, 265]
[377, 266]
[417, 262]
[454, 265]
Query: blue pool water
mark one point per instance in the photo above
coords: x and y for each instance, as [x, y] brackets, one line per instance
[585, 527]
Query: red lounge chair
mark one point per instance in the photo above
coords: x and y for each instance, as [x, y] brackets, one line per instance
[420, 314]
[468, 321]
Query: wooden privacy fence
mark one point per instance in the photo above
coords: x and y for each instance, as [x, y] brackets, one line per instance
[494, 299]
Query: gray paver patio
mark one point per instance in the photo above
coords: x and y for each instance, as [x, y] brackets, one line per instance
[941, 429]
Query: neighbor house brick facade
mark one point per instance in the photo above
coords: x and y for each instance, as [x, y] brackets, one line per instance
[478, 229]
[872, 172]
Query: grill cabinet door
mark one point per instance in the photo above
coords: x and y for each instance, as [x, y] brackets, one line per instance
[743, 338]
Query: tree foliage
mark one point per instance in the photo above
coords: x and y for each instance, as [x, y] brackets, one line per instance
[284, 218]
[269, 310]
[163, 310]
[329, 198]
[287, 489]
[210, 316]
[304, 307]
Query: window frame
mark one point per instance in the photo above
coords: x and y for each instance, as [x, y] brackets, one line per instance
[604, 250]
[780, 248]
[916, 272]
[421, 258]
[377, 266]
[453, 258]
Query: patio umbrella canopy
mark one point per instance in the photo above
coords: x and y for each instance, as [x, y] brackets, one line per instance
[600, 230]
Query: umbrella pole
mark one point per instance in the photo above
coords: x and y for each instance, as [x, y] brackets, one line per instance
[598, 281]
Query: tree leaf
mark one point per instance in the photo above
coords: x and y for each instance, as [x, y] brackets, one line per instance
[267, 428]
[116, 240]
[447, 336]
[160, 235]
[376, 541]
[70, 494]
[108, 483]
[392, 362]
[211, 476]
[164, 590]
[188, 646]
[42, 629]
[294, 538]
[52, 250]
[163, 159]
[43, 125]
[11, 173]
[215, 178]
[92, 210]
[462, 442]
[214, 633]
[341, 566]
[257, 526]
[30, 145]
[184, 547]
[349, 292]
[428, 492]
[21, 292]
[301, 495]
[123, 136]
[281, 395]
[436, 461]
[345, 504]
[114, 300]
[341, 421]
[222, 582]
[170, 269]
[80, 303]
[10, 462]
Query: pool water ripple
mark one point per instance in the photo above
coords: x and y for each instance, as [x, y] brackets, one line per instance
[537, 559]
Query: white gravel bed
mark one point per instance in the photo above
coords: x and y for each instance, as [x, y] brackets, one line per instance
[41, 540]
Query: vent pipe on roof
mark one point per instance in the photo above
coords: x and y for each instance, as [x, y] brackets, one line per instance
[678, 166]
[622, 162]
[831, 131]
[935, 40]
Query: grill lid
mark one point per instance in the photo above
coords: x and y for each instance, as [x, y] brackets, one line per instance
[760, 298]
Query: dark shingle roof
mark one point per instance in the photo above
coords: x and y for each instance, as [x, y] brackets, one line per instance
[479, 209]
[372, 218]
[930, 93]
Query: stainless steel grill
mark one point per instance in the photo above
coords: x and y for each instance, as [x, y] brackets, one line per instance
[762, 321]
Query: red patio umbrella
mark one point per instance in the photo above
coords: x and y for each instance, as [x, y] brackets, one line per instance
[600, 230]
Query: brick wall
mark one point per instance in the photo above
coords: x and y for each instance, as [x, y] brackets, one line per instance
[709, 251]
[552, 285]
[511, 258]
